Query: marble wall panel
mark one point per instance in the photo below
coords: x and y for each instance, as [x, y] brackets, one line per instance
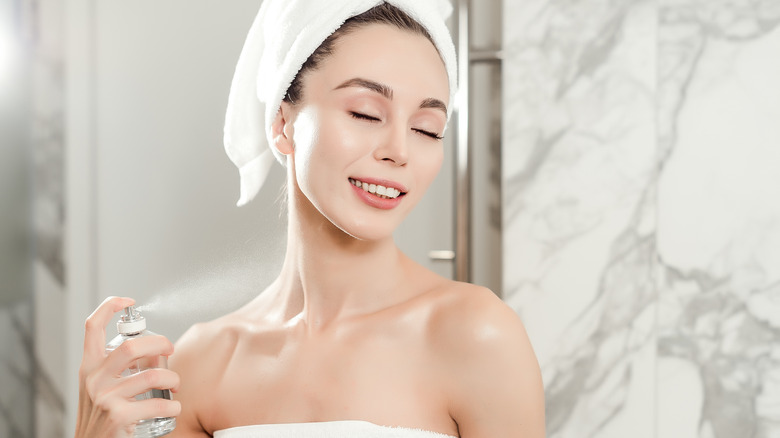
[641, 219]
[719, 219]
[579, 217]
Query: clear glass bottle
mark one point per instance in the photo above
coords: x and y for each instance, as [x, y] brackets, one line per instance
[132, 325]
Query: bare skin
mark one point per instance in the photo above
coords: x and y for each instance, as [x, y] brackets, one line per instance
[352, 329]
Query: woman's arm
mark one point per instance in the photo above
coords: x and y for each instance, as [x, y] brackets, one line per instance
[493, 377]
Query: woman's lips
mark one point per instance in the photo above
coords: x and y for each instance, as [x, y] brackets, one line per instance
[381, 182]
[377, 195]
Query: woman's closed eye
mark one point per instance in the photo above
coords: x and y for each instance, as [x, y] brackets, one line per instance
[361, 116]
[430, 134]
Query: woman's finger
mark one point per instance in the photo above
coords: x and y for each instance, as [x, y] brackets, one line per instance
[95, 328]
[154, 378]
[121, 413]
[146, 350]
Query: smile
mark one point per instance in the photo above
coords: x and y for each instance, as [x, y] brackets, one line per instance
[375, 189]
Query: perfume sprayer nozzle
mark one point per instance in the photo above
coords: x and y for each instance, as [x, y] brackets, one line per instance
[131, 322]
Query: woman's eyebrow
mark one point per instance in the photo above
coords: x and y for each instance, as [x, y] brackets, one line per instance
[382, 89]
[434, 103]
[387, 92]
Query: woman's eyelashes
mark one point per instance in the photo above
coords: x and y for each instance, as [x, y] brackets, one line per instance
[361, 116]
[432, 135]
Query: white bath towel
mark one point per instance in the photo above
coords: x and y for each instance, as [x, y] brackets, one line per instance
[283, 35]
[327, 429]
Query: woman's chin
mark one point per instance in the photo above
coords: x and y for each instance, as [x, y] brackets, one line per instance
[367, 232]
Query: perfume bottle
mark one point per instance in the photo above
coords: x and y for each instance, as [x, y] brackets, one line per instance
[132, 325]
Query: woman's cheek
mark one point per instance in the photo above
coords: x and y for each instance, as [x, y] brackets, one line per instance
[305, 136]
[434, 157]
[306, 129]
[349, 133]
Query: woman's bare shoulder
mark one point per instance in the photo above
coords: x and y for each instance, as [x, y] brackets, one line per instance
[491, 370]
[215, 336]
[200, 357]
[469, 316]
[202, 352]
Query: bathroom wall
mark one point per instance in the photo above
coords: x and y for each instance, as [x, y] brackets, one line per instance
[641, 213]
[31, 222]
[44, 47]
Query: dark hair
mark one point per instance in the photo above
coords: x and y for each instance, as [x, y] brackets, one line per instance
[382, 14]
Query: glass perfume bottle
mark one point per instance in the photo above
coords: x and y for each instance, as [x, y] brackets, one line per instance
[132, 325]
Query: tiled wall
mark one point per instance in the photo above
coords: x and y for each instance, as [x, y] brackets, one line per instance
[642, 212]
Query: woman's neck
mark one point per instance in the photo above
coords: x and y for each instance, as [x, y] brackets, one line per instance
[329, 275]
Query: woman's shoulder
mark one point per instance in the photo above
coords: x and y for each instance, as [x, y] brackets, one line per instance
[216, 338]
[201, 348]
[201, 356]
[208, 347]
[489, 367]
[470, 329]
[468, 316]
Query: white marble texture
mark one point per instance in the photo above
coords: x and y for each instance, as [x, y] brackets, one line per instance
[641, 221]
[718, 230]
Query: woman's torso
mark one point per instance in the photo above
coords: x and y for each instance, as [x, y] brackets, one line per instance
[383, 368]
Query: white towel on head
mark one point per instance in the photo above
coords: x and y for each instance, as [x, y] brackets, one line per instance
[283, 35]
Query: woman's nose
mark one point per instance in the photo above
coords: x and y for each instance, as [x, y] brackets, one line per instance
[393, 147]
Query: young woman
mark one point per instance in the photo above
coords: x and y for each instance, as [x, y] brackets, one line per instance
[353, 338]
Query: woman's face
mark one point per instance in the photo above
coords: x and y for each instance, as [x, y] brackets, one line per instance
[372, 115]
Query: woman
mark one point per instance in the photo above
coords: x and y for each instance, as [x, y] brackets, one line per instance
[353, 338]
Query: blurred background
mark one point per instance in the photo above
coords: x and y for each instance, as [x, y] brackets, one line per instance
[612, 173]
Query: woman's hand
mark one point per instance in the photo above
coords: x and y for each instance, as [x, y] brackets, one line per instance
[107, 405]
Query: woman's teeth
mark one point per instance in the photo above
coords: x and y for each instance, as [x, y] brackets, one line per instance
[381, 191]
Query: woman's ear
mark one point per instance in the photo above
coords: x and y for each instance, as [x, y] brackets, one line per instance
[282, 129]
